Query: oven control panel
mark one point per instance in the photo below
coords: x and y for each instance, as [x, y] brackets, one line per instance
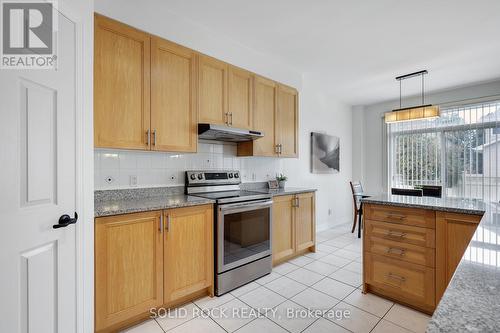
[197, 177]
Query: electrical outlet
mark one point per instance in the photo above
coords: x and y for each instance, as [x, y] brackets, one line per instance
[254, 177]
[133, 180]
[109, 179]
[329, 211]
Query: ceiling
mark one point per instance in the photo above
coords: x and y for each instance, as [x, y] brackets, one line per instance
[356, 48]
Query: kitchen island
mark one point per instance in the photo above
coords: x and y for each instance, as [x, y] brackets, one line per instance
[439, 255]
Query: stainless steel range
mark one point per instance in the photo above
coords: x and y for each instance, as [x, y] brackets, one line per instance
[242, 227]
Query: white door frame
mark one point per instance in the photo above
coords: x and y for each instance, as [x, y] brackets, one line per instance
[82, 13]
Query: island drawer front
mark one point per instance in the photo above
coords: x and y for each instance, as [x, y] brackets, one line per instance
[402, 251]
[400, 233]
[409, 283]
[400, 215]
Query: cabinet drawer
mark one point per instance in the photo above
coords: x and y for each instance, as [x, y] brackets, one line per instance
[400, 233]
[407, 252]
[409, 283]
[399, 215]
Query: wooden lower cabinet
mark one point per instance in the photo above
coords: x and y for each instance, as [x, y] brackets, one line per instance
[293, 226]
[151, 259]
[128, 268]
[188, 252]
[305, 226]
[283, 227]
[410, 255]
[453, 234]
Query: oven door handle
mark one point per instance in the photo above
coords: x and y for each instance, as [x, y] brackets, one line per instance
[249, 205]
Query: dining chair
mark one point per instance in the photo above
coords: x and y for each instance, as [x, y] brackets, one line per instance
[357, 195]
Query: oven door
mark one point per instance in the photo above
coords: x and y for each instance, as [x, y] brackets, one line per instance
[243, 233]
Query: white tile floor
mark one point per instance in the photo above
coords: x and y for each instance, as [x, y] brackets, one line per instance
[327, 282]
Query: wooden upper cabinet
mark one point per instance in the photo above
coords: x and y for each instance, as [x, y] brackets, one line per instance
[264, 113]
[287, 121]
[212, 91]
[304, 221]
[283, 227]
[121, 85]
[173, 97]
[189, 252]
[128, 267]
[240, 98]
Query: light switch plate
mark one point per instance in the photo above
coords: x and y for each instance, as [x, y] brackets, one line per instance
[133, 180]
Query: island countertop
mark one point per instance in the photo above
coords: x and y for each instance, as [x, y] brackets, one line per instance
[471, 302]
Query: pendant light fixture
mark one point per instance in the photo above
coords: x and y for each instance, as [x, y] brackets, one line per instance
[423, 111]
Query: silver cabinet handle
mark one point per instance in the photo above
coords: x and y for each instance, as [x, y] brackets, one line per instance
[395, 234]
[280, 149]
[161, 223]
[148, 137]
[396, 277]
[154, 137]
[168, 222]
[276, 149]
[396, 250]
[226, 120]
[231, 123]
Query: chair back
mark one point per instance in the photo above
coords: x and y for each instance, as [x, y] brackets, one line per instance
[432, 191]
[407, 191]
[357, 193]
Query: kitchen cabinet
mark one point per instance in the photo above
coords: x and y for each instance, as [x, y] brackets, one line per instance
[240, 98]
[173, 97]
[144, 90]
[149, 260]
[283, 227]
[304, 221]
[293, 226]
[128, 268]
[213, 90]
[264, 113]
[410, 254]
[287, 122]
[121, 85]
[188, 252]
[276, 114]
[453, 235]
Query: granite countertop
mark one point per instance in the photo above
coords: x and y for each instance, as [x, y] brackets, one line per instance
[471, 303]
[116, 202]
[285, 191]
[453, 205]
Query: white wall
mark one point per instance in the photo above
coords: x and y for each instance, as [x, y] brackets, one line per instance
[319, 111]
[145, 16]
[372, 158]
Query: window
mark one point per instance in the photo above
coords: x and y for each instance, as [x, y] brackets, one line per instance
[459, 151]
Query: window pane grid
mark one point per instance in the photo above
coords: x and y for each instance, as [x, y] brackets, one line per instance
[458, 151]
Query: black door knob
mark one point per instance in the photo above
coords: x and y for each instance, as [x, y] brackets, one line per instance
[65, 220]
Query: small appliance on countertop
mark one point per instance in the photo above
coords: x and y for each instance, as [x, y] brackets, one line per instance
[242, 229]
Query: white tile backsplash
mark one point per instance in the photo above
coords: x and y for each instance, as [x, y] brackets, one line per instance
[167, 169]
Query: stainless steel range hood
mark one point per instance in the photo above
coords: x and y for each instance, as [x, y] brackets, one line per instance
[226, 133]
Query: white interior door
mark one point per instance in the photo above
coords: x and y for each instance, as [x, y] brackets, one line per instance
[37, 186]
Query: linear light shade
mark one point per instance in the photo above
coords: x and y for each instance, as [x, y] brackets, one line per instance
[414, 113]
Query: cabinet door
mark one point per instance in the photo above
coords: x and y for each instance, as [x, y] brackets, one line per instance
[304, 221]
[128, 267]
[453, 235]
[188, 251]
[212, 91]
[264, 119]
[283, 228]
[240, 98]
[173, 97]
[121, 85]
[287, 121]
